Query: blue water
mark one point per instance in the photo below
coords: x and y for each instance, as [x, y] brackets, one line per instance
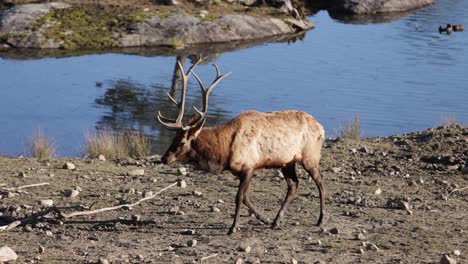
[398, 76]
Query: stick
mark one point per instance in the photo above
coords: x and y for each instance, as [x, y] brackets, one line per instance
[118, 206]
[457, 190]
[26, 186]
[208, 257]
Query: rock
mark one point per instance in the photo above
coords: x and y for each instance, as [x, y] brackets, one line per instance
[102, 260]
[361, 251]
[7, 254]
[360, 236]
[72, 193]
[182, 171]
[404, 205]
[136, 172]
[336, 169]
[22, 174]
[131, 191]
[420, 181]
[353, 150]
[69, 166]
[239, 261]
[136, 217]
[147, 194]
[457, 252]
[447, 260]
[46, 202]
[182, 184]
[220, 201]
[465, 170]
[376, 6]
[41, 249]
[334, 231]
[293, 261]
[372, 246]
[174, 209]
[101, 157]
[197, 193]
[192, 243]
[378, 191]
[244, 248]
[215, 209]
[49, 233]
[188, 232]
[319, 243]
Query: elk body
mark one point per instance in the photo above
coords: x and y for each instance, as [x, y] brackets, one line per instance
[251, 141]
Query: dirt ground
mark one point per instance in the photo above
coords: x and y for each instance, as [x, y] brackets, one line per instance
[420, 214]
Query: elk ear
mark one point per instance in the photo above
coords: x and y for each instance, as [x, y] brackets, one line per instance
[194, 131]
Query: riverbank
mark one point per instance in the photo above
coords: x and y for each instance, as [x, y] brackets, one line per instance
[77, 25]
[391, 199]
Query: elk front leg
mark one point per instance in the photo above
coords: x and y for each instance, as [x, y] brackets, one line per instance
[250, 205]
[293, 183]
[244, 178]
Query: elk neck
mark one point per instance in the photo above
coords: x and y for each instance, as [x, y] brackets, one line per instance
[211, 148]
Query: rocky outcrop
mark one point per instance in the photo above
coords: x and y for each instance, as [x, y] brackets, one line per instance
[188, 30]
[376, 6]
[19, 28]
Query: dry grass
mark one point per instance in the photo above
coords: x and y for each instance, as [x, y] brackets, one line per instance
[351, 130]
[116, 145]
[42, 147]
[448, 120]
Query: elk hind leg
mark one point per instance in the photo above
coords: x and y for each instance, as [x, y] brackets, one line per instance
[290, 176]
[313, 169]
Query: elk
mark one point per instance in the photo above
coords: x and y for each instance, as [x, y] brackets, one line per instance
[251, 141]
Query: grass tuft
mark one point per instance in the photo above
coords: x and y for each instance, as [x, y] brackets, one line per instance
[117, 145]
[352, 130]
[42, 147]
[448, 120]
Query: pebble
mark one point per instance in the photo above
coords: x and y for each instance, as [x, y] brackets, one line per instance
[41, 249]
[319, 243]
[447, 260]
[22, 174]
[148, 194]
[404, 205]
[334, 231]
[457, 252]
[353, 150]
[182, 171]
[131, 191]
[215, 209]
[239, 261]
[7, 254]
[293, 261]
[47, 202]
[192, 243]
[465, 170]
[101, 157]
[360, 236]
[220, 201]
[336, 169]
[372, 246]
[361, 251]
[72, 193]
[103, 261]
[245, 248]
[136, 217]
[78, 188]
[197, 193]
[188, 232]
[69, 166]
[378, 191]
[174, 209]
[182, 184]
[49, 233]
[137, 172]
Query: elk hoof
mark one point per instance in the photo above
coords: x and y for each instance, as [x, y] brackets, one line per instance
[232, 230]
[275, 226]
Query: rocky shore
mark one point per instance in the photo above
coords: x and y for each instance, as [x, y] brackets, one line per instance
[70, 26]
[397, 199]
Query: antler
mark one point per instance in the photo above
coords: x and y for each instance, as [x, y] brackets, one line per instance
[176, 124]
[206, 93]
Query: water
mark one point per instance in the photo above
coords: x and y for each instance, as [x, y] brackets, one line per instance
[398, 76]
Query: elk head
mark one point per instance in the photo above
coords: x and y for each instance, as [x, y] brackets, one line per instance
[182, 142]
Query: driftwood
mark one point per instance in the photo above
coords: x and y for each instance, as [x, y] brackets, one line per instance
[457, 190]
[33, 218]
[25, 186]
[208, 257]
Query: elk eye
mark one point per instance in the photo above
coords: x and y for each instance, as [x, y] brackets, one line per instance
[182, 143]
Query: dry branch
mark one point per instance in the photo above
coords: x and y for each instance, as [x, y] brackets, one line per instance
[118, 206]
[26, 186]
[457, 190]
[27, 220]
[208, 257]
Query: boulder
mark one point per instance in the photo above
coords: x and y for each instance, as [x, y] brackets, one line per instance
[376, 6]
[7, 254]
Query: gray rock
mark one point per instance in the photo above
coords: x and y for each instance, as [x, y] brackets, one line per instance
[377, 6]
[192, 243]
[22, 174]
[41, 249]
[457, 252]
[447, 260]
[182, 171]
[465, 170]
[49, 233]
[69, 166]
[334, 231]
[182, 184]
[102, 260]
[244, 248]
[336, 169]
[148, 194]
[293, 261]
[197, 193]
[239, 261]
[136, 217]
[47, 202]
[215, 209]
[7, 254]
[378, 191]
[136, 172]
[360, 236]
[72, 193]
[101, 157]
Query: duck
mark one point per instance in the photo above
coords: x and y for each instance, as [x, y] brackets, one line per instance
[447, 29]
[458, 27]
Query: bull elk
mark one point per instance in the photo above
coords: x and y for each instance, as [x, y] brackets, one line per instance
[251, 141]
